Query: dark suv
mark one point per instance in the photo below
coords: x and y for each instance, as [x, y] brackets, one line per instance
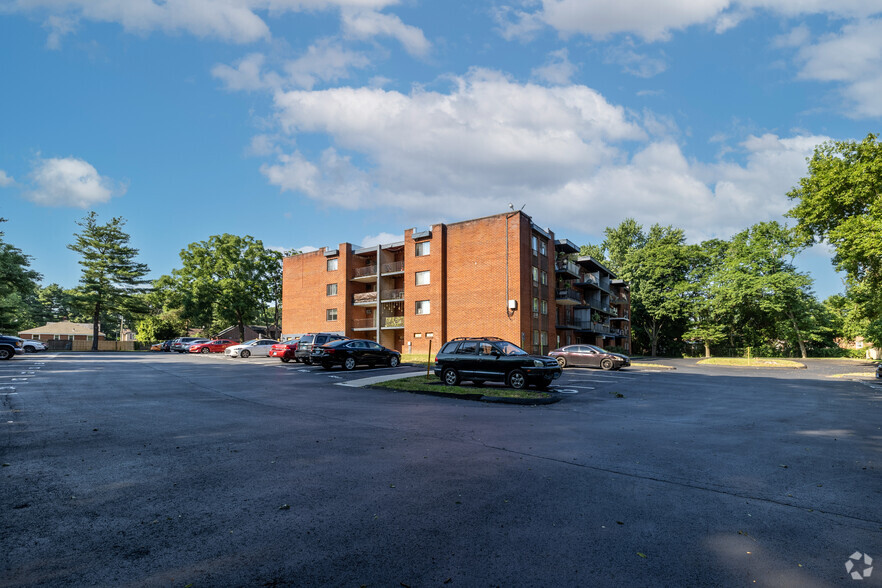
[304, 346]
[482, 359]
[9, 346]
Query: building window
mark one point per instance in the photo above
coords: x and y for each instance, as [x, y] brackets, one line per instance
[535, 273]
[423, 248]
[535, 305]
[417, 335]
[544, 278]
[544, 340]
[331, 314]
[332, 265]
[422, 278]
[535, 337]
[422, 307]
[56, 337]
[429, 335]
[535, 242]
[332, 289]
[544, 307]
[542, 248]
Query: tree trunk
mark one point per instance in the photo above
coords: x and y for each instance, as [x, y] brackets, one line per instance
[241, 327]
[95, 326]
[706, 348]
[799, 340]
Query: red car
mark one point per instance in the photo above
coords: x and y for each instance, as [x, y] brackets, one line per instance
[216, 346]
[285, 350]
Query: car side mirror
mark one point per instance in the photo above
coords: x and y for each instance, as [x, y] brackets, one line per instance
[496, 353]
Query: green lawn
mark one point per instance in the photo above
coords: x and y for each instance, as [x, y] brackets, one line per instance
[432, 384]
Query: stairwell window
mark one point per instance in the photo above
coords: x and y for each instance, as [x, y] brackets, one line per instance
[422, 307]
[423, 278]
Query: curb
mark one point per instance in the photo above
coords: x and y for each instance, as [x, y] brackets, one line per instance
[475, 397]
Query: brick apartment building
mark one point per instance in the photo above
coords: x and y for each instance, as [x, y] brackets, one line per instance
[500, 276]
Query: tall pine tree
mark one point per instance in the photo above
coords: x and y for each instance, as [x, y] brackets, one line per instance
[111, 276]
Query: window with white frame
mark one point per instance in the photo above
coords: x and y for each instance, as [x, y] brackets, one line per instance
[423, 248]
[332, 289]
[544, 307]
[331, 314]
[423, 278]
[535, 305]
[535, 273]
[332, 265]
[422, 307]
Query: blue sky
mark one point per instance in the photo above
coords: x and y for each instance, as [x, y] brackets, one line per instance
[306, 123]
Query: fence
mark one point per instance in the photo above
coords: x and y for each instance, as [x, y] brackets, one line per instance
[103, 345]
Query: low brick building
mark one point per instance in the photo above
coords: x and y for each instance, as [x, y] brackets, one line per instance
[63, 331]
[492, 276]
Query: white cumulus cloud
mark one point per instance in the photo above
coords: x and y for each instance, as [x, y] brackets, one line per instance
[5, 179]
[70, 182]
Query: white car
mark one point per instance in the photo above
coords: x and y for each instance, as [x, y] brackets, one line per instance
[255, 347]
[33, 346]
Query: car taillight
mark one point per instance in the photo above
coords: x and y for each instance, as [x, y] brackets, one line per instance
[329, 351]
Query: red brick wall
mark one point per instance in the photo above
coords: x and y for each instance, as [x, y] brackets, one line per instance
[420, 329]
[304, 292]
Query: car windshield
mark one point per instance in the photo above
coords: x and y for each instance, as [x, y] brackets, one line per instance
[307, 338]
[511, 349]
[251, 342]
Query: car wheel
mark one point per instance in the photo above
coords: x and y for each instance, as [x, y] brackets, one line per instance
[517, 380]
[606, 364]
[205, 350]
[244, 353]
[561, 361]
[349, 363]
[6, 353]
[450, 377]
[29, 349]
[307, 361]
[285, 359]
[394, 361]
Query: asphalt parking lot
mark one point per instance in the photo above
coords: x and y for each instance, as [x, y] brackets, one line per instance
[173, 470]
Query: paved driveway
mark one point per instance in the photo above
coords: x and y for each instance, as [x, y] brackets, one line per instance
[169, 470]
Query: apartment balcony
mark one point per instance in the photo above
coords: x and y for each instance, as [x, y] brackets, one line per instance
[616, 299]
[567, 297]
[393, 322]
[604, 308]
[367, 273]
[566, 269]
[589, 280]
[592, 327]
[394, 267]
[392, 295]
[364, 324]
[364, 299]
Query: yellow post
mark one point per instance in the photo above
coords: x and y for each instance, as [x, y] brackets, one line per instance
[429, 360]
[748, 356]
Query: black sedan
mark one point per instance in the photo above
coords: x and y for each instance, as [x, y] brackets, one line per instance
[352, 352]
[589, 356]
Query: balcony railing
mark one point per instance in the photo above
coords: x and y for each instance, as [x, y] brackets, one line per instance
[393, 321]
[567, 266]
[568, 294]
[393, 295]
[364, 323]
[589, 279]
[368, 270]
[393, 267]
[364, 297]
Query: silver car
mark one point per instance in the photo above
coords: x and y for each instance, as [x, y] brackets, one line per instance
[255, 347]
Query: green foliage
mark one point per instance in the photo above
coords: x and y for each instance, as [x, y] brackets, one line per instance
[17, 282]
[111, 278]
[153, 328]
[840, 202]
[226, 280]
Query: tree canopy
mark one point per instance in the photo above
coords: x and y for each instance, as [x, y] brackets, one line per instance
[840, 202]
[110, 277]
[17, 282]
